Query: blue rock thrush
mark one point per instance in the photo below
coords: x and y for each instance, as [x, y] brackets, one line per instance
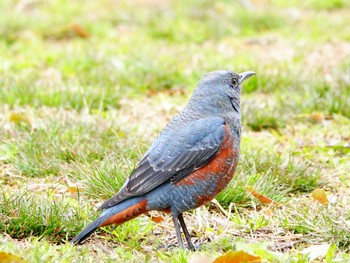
[189, 163]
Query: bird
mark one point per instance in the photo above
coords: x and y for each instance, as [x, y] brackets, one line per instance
[191, 161]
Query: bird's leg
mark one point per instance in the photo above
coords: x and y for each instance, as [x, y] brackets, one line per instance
[187, 234]
[178, 233]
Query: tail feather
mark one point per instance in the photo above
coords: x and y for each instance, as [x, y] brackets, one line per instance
[87, 231]
[117, 215]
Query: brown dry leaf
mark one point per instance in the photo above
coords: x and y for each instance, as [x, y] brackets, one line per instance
[157, 219]
[10, 258]
[263, 199]
[16, 117]
[320, 196]
[79, 30]
[237, 257]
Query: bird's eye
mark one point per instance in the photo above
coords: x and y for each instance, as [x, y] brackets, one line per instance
[234, 81]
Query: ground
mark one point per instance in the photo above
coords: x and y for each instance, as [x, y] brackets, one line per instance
[87, 85]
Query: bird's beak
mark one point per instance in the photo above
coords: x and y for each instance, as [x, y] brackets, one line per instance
[243, 76]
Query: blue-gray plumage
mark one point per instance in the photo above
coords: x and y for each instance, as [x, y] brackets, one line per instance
[189, 163]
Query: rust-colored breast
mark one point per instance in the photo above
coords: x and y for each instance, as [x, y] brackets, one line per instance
[219, 170]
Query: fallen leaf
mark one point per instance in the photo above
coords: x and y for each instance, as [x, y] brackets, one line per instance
[317, 116]
[237, 257]
[316, 251]
[72, 189]
[10, 258]
[263, 199]
[19, 118]
[320, 196]
[157, 219]
[79, 30]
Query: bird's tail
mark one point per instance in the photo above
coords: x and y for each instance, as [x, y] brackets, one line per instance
[117, 215]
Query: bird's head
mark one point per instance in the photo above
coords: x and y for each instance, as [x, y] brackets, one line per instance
[221, 90]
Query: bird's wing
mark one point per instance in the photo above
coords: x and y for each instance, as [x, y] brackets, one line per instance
[174, 154]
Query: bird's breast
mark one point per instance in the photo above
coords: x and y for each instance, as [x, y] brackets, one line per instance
[200, 186]
[212, 178]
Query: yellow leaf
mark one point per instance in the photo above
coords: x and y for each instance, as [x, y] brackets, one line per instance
[19, 118]
[10, 258]
[72, 189]
[320, 196]
[317, 116]
[263, 199]
[237, 257]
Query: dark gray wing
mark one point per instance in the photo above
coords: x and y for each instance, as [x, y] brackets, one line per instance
[173, 155]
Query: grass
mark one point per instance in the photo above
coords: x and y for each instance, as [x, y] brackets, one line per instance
[25, 215]
[86, 87]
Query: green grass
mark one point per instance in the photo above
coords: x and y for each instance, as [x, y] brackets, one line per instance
[274, 173]
[25, 214]
[79, 108]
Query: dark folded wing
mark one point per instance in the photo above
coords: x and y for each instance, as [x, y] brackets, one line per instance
[174, 154]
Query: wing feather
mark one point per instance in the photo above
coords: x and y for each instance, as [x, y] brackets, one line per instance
[173, 155]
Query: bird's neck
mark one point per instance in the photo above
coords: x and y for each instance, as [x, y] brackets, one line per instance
[196, 112]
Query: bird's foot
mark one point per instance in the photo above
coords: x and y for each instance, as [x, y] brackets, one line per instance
[197, 247]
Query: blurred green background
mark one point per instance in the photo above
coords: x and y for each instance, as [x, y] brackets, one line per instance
[92, 53]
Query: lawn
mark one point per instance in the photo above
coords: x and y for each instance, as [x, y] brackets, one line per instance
[85, 86]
